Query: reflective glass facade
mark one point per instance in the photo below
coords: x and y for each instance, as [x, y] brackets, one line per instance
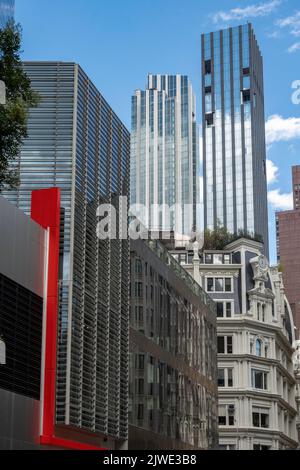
[173, 357]
[164, 153]
[7, 10]
[76, 142]
[235, 184]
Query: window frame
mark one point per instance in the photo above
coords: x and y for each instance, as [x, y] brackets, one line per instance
[225, 302]
[225, 337]
[224, 279]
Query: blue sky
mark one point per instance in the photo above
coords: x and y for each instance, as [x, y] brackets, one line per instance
[118, 42]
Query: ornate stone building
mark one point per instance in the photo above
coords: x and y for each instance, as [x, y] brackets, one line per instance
[257, 387]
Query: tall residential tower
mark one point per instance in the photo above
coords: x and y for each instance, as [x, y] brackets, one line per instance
[7, 10]
[235, 183]
[164, 155]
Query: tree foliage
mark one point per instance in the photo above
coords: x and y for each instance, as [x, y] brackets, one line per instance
[220, 237]
[19, 99]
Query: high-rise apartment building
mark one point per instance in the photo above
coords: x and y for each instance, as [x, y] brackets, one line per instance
[235, 183]
[7, 10]
[288, 248]
[77, 143]
[164, 155]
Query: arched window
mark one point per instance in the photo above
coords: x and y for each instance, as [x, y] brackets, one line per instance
[258, 347]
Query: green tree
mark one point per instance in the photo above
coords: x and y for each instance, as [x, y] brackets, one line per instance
[19, 99]
[220, 237]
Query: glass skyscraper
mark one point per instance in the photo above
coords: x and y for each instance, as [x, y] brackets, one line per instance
[77, 143]
[164, 154]
[235, 182]
[7, 9]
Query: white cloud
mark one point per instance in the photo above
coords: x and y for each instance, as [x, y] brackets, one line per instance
[280, 129]
[294, 48]
[251, 11]
[291, 22]
[280, 201]
[273, 35]
[272, 172]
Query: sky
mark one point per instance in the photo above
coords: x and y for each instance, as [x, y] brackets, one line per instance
[118, 42]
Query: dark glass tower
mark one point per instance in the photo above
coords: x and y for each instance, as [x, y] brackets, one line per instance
[7, 10]
[77, 143]
[235, 182]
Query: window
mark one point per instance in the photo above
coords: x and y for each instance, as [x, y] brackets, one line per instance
[141, 387]
[138, 289]
[210, 285]
[261, 447]
[226, 415]
[224, 309]
[218, 259]
[228, 285]
[221, 377]
[208, 259]
[258, 347]
[138, 266]
[219, 284]
[259, 379]
[263, 313]
[225, 377]
[246, 96]
[141, 361]
[209, 119]
[140, 412]
[139, 313]
[207, 67]
[225, 345]
[258, 312]
[226, 259]
[260, 418]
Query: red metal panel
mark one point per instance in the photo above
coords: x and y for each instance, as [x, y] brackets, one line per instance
[65, 444]
[45, 210]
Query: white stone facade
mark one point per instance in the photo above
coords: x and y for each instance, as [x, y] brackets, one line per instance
[257, 385]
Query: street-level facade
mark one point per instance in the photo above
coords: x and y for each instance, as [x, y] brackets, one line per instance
[173, 355]
[257, 407]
